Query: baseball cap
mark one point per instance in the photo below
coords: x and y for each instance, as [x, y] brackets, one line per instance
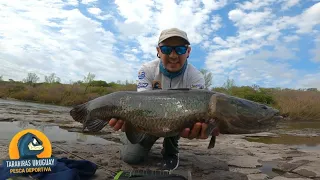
[173, 32]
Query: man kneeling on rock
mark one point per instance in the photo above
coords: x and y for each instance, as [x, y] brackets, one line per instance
[170, 70]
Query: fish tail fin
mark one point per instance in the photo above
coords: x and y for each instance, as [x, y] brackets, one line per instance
[79, 112]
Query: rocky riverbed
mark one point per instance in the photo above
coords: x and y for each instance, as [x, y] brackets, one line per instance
[288, 152]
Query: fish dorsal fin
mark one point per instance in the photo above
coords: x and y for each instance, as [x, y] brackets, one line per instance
[132, 133]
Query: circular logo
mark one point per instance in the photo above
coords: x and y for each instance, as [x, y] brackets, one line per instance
[30, 141]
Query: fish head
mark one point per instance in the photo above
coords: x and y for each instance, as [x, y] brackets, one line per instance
[240, 116]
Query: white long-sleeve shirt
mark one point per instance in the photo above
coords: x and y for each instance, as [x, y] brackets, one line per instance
[149, 76]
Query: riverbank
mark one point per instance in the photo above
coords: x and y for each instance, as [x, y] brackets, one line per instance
[233, 157]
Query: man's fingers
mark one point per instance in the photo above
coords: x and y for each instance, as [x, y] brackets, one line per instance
[123, 129]
[203, 131]
[185, 133]
[195, 131]
[112, 122]
[118, 125]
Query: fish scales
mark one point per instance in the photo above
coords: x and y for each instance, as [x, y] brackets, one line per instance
[166, 113]
[163, 112]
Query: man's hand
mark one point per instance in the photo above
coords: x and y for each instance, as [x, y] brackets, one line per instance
[117, 124]
[198, 131]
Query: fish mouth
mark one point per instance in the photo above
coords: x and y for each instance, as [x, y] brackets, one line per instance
[34, 148]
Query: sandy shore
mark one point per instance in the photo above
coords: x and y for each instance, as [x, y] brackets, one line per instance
[233, 157]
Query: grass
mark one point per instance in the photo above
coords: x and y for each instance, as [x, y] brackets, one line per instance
[296, 105]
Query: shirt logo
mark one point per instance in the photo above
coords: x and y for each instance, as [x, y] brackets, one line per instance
[141, 74]
[142, 85]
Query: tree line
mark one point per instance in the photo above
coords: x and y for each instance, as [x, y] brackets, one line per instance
[296, 104]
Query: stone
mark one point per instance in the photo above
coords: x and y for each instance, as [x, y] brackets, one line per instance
[209, 163]
[224, 175]
[292, 175]
[285, 178]
[289, 166]
[257, 176]
[311, 170]
[245, 161]
[245, 170]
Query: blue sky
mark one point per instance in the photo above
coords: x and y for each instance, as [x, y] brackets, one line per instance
[271, 43]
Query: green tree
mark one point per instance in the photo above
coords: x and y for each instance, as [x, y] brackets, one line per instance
[31, 78]
[207, 78]
[52, 78]
[88, 80]
[228, 85]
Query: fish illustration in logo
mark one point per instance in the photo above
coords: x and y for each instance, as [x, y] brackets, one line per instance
[29, 146]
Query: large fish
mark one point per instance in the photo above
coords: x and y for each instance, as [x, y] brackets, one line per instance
[165, 113]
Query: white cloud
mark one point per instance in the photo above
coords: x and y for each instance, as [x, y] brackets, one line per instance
[291, 38]
[289, 3]
[94, 11]
[145, 19]
[88, 1]
[42, 37]
[254, 4]
[240, 56]
[309, 81]
[248, 20]
[309, 18]
[316, 51]
[46, 37]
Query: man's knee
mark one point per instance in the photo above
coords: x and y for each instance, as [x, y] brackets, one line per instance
[136, 153]
[132, 158]
[133, 154]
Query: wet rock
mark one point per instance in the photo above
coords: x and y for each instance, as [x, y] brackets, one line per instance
[294, 153]
[257, 176]
[262, 134]
[245, 161]
[209, 163]
[287, 166]
[57, 152]
[102, 174]
[311, 170]
[224, 175]
[245, 170]
[104, 162]
[285, 178]
[292, 175]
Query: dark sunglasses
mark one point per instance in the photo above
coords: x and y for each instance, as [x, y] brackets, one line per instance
[178, 49]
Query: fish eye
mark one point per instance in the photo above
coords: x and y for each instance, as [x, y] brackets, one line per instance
[35, 141]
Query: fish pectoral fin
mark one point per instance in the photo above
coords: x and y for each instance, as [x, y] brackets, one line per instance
[96, 125]
[133, 134]
[212, 142]
[211, 126]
